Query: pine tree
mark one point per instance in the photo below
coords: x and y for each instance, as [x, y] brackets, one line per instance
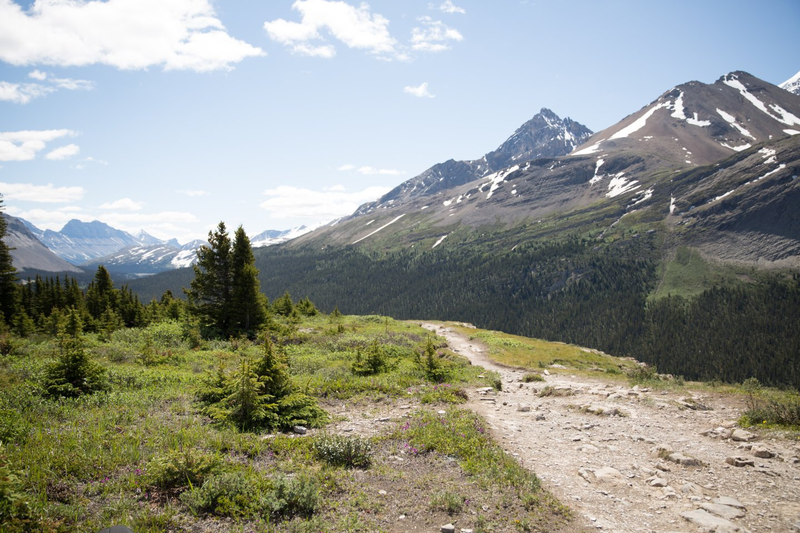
[210, 291]
[248, 305]
[225, 293]
[74, 373]
[8, 277]
[101, 295]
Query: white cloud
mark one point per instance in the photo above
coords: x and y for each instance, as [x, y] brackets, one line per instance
[293, 202]
[40, 193]
[73, 85]
[370, 171]
[192, 193]
[126, 34]
[52, 220]
[24, 145]
[334, 188]
[433, 36]
[22, 93]
[124, 204]
[356, 27]
[420, 91]
[64, 152]
[449, 7]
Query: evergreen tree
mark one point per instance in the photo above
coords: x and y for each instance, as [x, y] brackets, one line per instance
[248, 305]
[74, 373]
[8, 277]
[283, 305]
[210, 291]
[101, 295]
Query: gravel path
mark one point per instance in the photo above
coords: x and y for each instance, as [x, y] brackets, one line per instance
[635, 460]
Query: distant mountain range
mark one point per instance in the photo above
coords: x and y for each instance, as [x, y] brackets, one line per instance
[81, 246]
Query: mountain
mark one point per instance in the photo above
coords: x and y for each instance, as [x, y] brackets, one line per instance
[792, 84]
[664, 237]
[27, 251]
[272, 237]
[79, 242]
[631, 166]
[142, 260]
[545, 135]
[701, 124]
[153, 256]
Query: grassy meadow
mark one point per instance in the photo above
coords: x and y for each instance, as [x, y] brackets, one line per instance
[393, 450]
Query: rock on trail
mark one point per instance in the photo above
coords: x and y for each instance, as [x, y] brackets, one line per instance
[638, 460]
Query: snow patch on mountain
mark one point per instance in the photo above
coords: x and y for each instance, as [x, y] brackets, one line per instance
[620, 185]
[792, 84]
[377, 230]
[785, 117]
[639, 123]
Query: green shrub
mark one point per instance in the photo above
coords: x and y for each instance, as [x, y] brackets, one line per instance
[429, 362]
[349, 452]
[259, 395]
[180, 468]
[229, 494]
[74, 374]
[12, 425]
[14, 505]
[449, 502]
[444, 393]
[642, 374]
[374, 361]
[289, 497]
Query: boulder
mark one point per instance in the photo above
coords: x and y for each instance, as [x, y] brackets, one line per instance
[708, 522]
[724, 511]
[740, 461]
[740, 435]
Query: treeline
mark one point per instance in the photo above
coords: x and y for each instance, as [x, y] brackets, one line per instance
[40, 304]
[224, 297]
[573, 291]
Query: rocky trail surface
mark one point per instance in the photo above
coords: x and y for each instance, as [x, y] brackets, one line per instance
[639, 460]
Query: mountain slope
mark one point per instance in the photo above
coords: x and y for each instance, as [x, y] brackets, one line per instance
[699, 124]
[28, 253]
[79, 242]
[627, 168]
[545, 135]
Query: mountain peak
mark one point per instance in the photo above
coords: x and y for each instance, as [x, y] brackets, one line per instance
[545, 135]
[792, 84]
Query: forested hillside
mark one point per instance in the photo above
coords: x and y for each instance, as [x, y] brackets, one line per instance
[573, 291]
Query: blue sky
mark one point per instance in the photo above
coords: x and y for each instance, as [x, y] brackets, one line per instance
[171, 115]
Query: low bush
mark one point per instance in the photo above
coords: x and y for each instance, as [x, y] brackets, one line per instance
[180, 468]
[444, 393]
[349, 452]
[14, 505]
[449, 502]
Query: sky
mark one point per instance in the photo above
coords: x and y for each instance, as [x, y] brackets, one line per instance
[170, 116]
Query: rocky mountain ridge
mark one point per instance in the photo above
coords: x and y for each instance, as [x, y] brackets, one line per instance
[671, 159]
[28, 252]
[545, 135]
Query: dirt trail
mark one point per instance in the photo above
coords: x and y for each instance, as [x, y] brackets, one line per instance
[622, 458]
